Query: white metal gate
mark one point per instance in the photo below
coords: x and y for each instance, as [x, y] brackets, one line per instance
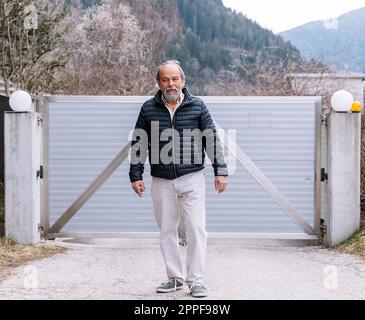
[273, 192]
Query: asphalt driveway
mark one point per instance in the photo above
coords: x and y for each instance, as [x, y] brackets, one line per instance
[236, 269]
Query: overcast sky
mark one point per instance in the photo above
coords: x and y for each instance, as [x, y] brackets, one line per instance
[282, 15]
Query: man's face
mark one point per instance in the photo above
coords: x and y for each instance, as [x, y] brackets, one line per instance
[170, 82]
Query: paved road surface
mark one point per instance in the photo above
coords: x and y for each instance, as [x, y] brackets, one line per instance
[235, 269]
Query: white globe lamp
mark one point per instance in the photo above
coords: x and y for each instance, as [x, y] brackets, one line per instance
[20, 101]
[341, 101]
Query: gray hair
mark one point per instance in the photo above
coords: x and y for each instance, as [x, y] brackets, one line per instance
[173, 62]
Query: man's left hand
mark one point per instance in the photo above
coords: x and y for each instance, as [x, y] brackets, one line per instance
[220, 183]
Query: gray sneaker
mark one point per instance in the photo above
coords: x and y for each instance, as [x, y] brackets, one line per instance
[170, 285]
[198, 290]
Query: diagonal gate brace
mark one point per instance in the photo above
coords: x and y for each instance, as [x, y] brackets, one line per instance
[265, 182]
[91, 189]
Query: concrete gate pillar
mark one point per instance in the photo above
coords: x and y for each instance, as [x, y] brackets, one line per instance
[344, 142]
[22, 176]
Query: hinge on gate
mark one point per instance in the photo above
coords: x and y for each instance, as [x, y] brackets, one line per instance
[39, 120]
[40, 172]
[40, 227]
[324, 174]
[324, 119]
[323, 226]
[41, 230]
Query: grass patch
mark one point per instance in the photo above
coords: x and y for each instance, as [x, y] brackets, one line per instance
[355, 244]
[14, 255]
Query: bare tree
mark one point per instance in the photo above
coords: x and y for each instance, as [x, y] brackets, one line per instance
[111, 53]
[29, 41]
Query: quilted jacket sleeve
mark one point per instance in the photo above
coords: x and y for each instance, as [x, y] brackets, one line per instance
[212, 143]
[139, 148]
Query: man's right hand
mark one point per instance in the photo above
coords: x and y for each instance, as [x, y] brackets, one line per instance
[138, 187]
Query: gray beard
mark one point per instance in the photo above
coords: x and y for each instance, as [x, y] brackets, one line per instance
[171, 97]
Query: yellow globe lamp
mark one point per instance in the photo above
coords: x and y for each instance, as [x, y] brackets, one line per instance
[356, 106]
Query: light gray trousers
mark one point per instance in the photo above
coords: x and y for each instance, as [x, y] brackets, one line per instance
[166, 194]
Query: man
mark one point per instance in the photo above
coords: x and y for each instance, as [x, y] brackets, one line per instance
[184, 129]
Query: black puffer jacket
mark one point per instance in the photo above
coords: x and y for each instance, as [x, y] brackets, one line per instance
[191, 114]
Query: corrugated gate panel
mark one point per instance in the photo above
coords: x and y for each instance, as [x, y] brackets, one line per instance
[278, 135]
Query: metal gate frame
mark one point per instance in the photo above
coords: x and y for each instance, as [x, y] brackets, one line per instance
[312, 233]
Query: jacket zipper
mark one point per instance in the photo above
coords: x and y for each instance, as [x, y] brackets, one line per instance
[173, 142]
[172, 123]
